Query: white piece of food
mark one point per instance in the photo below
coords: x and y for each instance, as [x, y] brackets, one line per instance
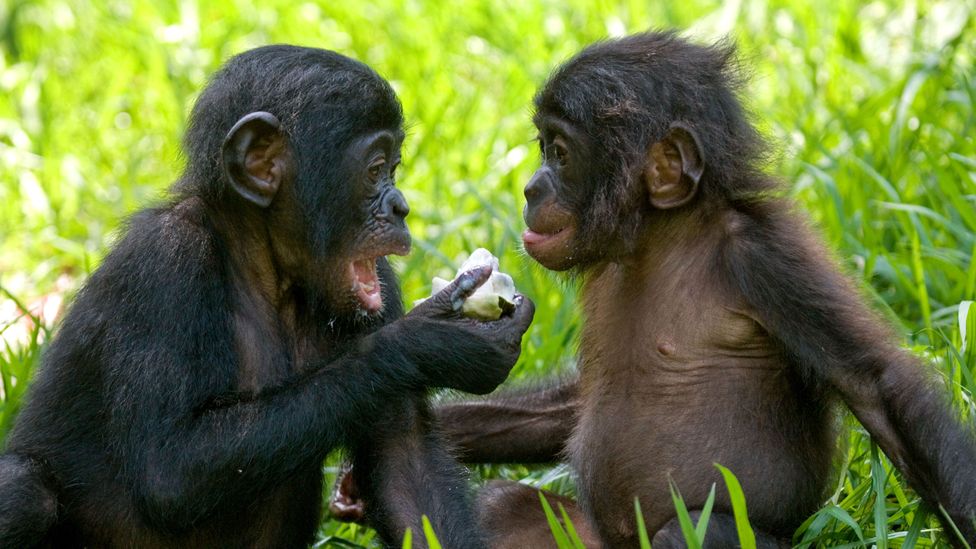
[492, 298]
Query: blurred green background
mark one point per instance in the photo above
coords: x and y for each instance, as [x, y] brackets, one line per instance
[870, 107]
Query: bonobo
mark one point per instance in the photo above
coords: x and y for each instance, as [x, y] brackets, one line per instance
[717, 329]
[240, 332]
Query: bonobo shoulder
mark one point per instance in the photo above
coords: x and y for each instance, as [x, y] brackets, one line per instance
[166, 258]
[176, 236]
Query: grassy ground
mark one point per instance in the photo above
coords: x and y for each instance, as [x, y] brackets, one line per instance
[870, 105]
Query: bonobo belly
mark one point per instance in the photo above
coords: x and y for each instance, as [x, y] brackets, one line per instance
[637, 432]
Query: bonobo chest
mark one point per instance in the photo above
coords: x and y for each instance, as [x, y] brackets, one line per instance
[659, 362]
[653, 333]
[272, 347]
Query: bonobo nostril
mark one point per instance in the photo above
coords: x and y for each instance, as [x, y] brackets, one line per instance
[536, 188]
[400, 206]
[395, 205]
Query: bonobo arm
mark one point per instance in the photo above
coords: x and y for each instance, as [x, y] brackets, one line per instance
[528, 427]
[182, 445]
[826, 331]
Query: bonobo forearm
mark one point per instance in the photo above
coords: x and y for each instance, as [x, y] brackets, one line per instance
[909, 416]
[530, 427]
[267, 437]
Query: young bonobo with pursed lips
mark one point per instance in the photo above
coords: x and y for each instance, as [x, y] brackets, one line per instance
[716, 328]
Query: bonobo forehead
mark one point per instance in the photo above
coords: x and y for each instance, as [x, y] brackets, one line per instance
[636, 80]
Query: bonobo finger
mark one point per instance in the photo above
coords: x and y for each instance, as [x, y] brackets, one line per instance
[524, 313]
[453, 295]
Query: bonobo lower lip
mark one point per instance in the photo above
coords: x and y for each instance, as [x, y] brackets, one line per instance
[540, 244]
[532, 238]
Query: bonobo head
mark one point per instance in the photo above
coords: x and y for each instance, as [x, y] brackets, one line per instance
[632, 128]
[305, 143]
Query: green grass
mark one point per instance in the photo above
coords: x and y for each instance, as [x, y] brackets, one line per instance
[870, 107]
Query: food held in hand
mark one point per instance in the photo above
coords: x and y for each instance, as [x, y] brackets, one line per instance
[493, 298]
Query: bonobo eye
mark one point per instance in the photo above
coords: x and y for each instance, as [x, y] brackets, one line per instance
[562, 154]
[376, 169]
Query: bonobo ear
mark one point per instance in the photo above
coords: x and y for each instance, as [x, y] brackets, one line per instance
[255, 155]
[674, 167]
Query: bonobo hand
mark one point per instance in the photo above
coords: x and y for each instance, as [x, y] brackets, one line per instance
[461, 353]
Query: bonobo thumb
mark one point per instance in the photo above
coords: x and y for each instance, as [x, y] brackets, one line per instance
[524, 311]
[451, 298]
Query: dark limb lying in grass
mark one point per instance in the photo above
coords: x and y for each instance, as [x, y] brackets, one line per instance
[716, 327]
[513, 517]
[527, 427]
[242, 331]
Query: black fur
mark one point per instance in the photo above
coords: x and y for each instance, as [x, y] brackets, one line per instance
[183, 404]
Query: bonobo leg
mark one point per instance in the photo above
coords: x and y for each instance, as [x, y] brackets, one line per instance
[520, 427]
[29, 505]
[721, 534]
[527, 426]
[403, 472]
[511, 516]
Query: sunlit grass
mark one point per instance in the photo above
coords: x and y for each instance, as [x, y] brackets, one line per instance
[869, 108]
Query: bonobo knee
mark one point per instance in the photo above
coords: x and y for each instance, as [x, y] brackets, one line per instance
[720, 534]
[28, 506]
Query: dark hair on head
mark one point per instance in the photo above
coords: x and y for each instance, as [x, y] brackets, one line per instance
[626, 92]
[320, 97]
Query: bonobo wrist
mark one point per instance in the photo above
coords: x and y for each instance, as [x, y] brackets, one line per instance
[388, 350]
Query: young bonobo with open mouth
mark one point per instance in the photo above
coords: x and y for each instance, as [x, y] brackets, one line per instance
[716, 328]
[243, 330]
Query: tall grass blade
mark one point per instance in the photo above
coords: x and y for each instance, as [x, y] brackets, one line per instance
[570, 529]
[878, 478]
[706, 514]
[429, 535]
[558, 533]
[684, 519]
[645, 543]
[952, 528]
[747, 538]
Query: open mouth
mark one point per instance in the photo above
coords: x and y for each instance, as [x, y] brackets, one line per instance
[366, 284]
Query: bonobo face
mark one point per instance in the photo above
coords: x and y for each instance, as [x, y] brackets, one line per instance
[331, 219]
[371, 161]
[588, 203]
[556, 191]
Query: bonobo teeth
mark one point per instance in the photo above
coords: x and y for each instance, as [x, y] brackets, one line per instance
[366, 284]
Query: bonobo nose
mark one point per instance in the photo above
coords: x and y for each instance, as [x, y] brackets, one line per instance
[395, 205]
[538, 187]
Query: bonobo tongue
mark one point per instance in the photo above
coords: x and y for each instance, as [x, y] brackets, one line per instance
[366, 284]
